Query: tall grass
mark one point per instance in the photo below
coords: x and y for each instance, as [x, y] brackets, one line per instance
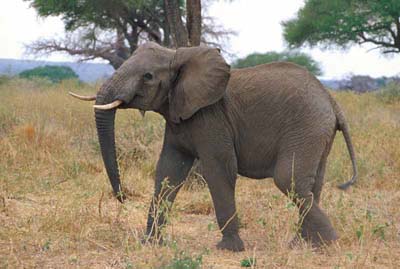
[390, 93]
[57, 210]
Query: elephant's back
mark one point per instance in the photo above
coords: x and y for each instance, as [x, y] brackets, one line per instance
[278, 80]
[278, 88]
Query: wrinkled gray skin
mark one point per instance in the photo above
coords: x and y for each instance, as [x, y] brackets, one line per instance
[274, 120]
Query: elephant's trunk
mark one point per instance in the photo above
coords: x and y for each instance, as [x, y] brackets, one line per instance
[105, 129]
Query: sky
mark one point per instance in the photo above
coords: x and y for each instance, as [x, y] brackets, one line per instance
[256, 22]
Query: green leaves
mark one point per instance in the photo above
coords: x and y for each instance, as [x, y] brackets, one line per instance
[105, 14]
[343, 22]
[248, 262]
[294, 57]
[53, 73]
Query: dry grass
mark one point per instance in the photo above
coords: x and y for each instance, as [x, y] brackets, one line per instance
[57, 211]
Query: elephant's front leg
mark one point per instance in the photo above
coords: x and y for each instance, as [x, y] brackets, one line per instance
[220, 173]
[172, 169]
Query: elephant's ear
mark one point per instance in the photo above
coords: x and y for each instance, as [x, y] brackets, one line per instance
[200, 77]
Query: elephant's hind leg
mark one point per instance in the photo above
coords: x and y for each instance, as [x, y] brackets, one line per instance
[299, 174]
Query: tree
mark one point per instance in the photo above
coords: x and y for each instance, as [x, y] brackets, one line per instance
[343, 22]
[105, 29]
[294, 57]
[52, 72]
[112, 29]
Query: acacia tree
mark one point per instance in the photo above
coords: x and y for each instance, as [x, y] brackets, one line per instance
[343, 22]
[112, 29]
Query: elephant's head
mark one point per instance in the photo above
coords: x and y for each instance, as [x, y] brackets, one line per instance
[176, 83]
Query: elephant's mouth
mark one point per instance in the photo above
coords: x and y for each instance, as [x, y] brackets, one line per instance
[120, 101]
[109, 106]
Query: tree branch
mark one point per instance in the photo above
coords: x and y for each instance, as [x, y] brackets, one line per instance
[391, 51]
[376, 42]
[50, 46]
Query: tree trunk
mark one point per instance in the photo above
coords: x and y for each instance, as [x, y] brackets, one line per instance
[120, 48]
[178, 31]
[166, 29]
[167, 40]
[193, 21]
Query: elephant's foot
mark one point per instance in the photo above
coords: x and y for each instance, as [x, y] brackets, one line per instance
[319, 236]
[316, 240]
[231, 242]
[316, 228]
[319, 239]
[296, 242]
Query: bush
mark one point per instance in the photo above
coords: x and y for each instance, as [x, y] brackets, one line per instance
[4, 79]
[390, 93]
[299, 58]
[52, 72]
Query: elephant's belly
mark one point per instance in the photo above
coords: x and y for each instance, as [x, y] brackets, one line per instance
[257, 174]
[256, 153]
[257, 167]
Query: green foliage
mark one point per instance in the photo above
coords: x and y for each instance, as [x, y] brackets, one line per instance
[51, 72]
[294, 57]
[379, 230]
[102, 13]
[390, 93]
[46, 245]
[249, 262]
[360, 232]
[211, 226]
[342, 22]
[105, 29]
[183, 261]
[4, 79]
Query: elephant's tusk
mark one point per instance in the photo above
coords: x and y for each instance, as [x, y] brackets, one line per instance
[108, 106]
[84, 98]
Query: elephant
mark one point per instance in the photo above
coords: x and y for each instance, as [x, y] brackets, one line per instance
[274, 120]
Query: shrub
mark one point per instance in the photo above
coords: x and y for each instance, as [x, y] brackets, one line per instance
[4, 79]
[248, 262]
[299, 58]
[52, 72]
[390, 93]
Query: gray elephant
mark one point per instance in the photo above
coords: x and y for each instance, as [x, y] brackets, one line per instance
[274, 120]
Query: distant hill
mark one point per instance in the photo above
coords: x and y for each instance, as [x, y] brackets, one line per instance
[360, 83]
[88, 72]
[91, 72]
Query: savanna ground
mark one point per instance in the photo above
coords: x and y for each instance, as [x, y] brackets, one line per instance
[57, 210]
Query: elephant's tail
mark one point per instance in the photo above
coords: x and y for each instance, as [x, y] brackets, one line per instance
[344, 127]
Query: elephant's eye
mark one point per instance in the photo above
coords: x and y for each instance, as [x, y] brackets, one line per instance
[148, 76]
